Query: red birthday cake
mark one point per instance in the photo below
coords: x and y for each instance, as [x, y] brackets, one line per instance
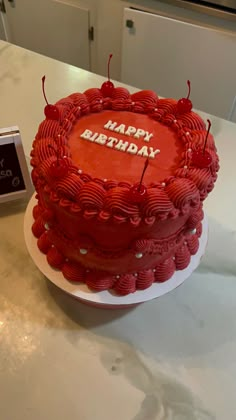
[120, 182]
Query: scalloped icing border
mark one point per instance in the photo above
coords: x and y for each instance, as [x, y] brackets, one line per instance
[122, 284]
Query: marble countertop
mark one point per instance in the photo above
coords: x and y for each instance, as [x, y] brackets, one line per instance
[173, 358]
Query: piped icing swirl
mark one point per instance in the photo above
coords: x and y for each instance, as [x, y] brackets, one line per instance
[122, 284]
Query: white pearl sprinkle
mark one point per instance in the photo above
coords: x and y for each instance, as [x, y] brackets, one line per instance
[46, 226]
[80, 171]
[193, 231]
[155, 109]
[139, 255]
[105, 180]
[117, 276]
[135, 274]
[154, 270]
[83, 251]
[187, 133]
[163, 184]
[175, 121]
[185, 167]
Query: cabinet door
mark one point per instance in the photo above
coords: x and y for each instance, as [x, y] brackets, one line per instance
[160, 53]
[54, 28]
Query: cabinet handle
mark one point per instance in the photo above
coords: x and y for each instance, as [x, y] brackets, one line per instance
[129, 23]
[2, 6]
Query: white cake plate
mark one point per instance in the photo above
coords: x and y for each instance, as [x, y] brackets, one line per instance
[105, 298]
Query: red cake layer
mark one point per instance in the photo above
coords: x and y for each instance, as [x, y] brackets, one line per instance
[87, 220]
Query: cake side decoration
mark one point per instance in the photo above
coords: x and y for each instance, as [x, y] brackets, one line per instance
[138, 192]
[59, 167]
[184, 105]
[51, 112]
[107, 87]
[202, 158]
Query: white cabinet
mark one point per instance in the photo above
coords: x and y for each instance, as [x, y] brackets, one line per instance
[58, 29]
[162, 54]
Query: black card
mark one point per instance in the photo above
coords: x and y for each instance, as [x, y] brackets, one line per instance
[11, 178]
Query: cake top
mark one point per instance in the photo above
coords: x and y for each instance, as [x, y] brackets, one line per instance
[94, 152]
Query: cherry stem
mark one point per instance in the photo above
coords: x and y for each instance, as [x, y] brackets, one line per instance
[189, 88]
[208, 131]
[55, 151]
[43, 87]
[144, 170]
[108, 66]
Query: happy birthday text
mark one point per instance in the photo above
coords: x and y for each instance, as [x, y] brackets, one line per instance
[122, 145]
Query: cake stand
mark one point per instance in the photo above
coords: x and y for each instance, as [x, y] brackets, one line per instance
[106, 298]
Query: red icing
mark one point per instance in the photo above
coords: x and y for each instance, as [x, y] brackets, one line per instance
[193, 244]
[73, 272]
[44, 244]
[125, 284]
[145, 279]
[182, 257]
[55, 258]
[38, 227]
[86, 212]
[164, 270]
[99, 281]
[36, 211]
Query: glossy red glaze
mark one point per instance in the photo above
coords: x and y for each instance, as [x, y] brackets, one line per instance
[137, 193]
[58, 168]
[201, 159]
[107, 88]
[184, 105]
[51, 112]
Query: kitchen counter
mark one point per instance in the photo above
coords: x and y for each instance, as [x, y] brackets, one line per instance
[170, 358]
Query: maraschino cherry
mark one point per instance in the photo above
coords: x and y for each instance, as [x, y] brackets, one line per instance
[108, 87]
[138, 192]
[202, 158]
[50, 111]
[58, 168]
[185, 105]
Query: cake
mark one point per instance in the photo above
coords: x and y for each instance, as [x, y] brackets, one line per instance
[120, 182]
